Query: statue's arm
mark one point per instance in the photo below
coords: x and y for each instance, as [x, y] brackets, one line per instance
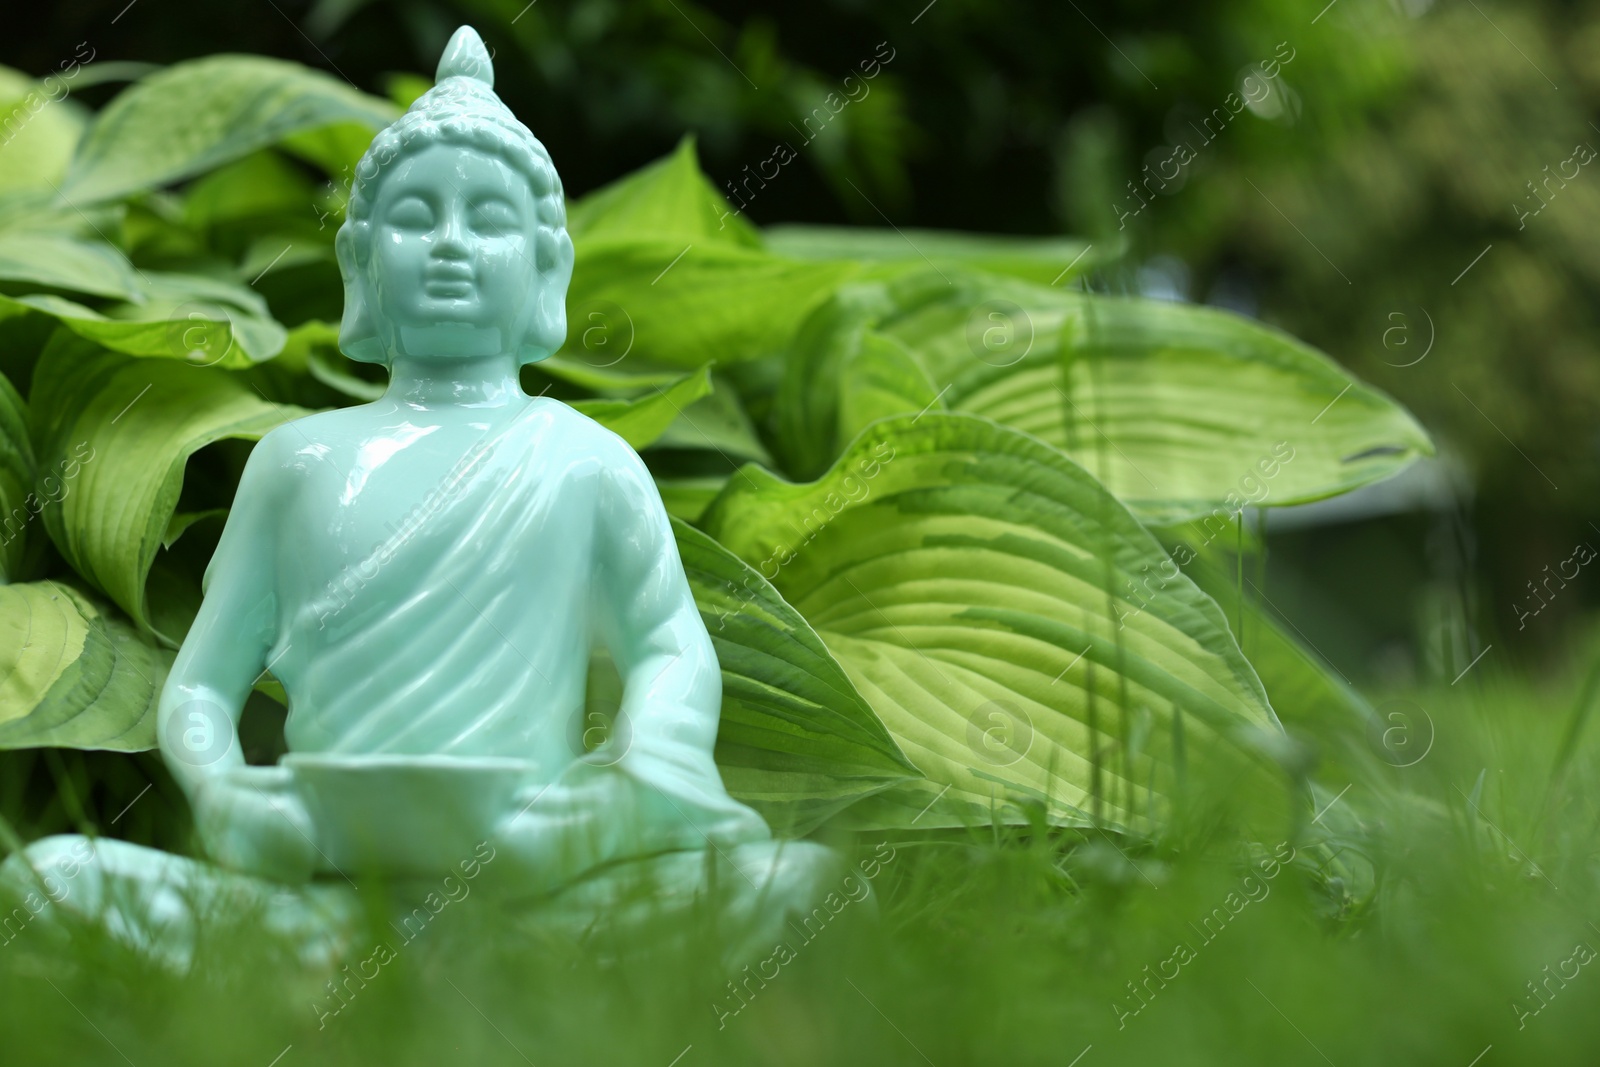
[225, 650]
[672, 685]
[662, 790]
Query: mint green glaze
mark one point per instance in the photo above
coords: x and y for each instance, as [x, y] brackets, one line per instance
[427, 574]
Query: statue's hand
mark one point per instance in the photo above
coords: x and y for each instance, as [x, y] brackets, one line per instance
[253, 823]
[560, 829]
[604, 808]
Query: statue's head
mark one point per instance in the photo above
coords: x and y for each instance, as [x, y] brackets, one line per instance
[455, 240]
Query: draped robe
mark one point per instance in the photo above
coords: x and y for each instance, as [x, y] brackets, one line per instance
[428, 598]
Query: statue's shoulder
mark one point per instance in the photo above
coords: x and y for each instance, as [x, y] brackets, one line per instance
[306, 443]
[591, 438]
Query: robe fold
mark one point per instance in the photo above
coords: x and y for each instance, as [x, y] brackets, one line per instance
[466, 628]
[460, 617]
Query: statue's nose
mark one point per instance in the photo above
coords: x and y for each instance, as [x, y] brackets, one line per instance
[452, 243]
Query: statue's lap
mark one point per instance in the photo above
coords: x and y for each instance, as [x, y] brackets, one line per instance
[156, 903]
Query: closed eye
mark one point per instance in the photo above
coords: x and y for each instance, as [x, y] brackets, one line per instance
[495, 216]
[411, 213]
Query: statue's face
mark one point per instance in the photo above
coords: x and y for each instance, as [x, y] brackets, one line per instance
[451, 267]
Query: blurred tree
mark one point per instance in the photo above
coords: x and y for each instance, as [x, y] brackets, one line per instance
[1459, 210]
[969, 120]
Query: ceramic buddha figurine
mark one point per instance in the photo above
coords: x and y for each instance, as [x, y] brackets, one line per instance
[427, 574]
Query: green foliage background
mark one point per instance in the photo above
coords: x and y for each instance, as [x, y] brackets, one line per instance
[170, 273]
[1408, 132]
[935, 290]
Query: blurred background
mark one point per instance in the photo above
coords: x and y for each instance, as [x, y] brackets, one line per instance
[1403, 183]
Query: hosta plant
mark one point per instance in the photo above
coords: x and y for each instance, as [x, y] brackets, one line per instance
[943, 507]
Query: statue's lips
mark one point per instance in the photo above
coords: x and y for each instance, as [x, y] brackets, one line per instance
[448, 280]
[454, 288]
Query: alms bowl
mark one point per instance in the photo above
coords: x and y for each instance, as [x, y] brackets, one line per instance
[404, 816]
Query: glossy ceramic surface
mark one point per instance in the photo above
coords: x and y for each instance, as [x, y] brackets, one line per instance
[427, 576]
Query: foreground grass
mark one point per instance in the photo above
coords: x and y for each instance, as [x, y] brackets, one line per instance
[1434, 913]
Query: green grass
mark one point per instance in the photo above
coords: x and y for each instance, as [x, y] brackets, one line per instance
[1416, 910]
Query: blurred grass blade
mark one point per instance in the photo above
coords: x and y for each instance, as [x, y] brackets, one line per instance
[1577, 722]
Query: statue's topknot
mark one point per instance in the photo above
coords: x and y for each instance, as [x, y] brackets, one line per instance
[466, 57]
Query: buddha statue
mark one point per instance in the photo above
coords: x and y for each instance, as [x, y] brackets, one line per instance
[427, 576]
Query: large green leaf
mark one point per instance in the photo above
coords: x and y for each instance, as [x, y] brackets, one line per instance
[312, 349]
[72, 675]
[813, 392]
[59, 261]
[194, 116]
[668, 198]
[17, 499]
[977, 587]
[667, 275]
[40, 135]
[590, 361]
[129, 425]
[682, 302]
[262, 183]
[182, 520]
[642, 420]
[336, 148]
[1046, 260]
[717, 423]
[797, 741]
[204, 321]
[1180, 410]
[688, 498]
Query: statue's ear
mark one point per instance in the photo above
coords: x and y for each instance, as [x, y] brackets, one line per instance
[547, 327]
[358, 331]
